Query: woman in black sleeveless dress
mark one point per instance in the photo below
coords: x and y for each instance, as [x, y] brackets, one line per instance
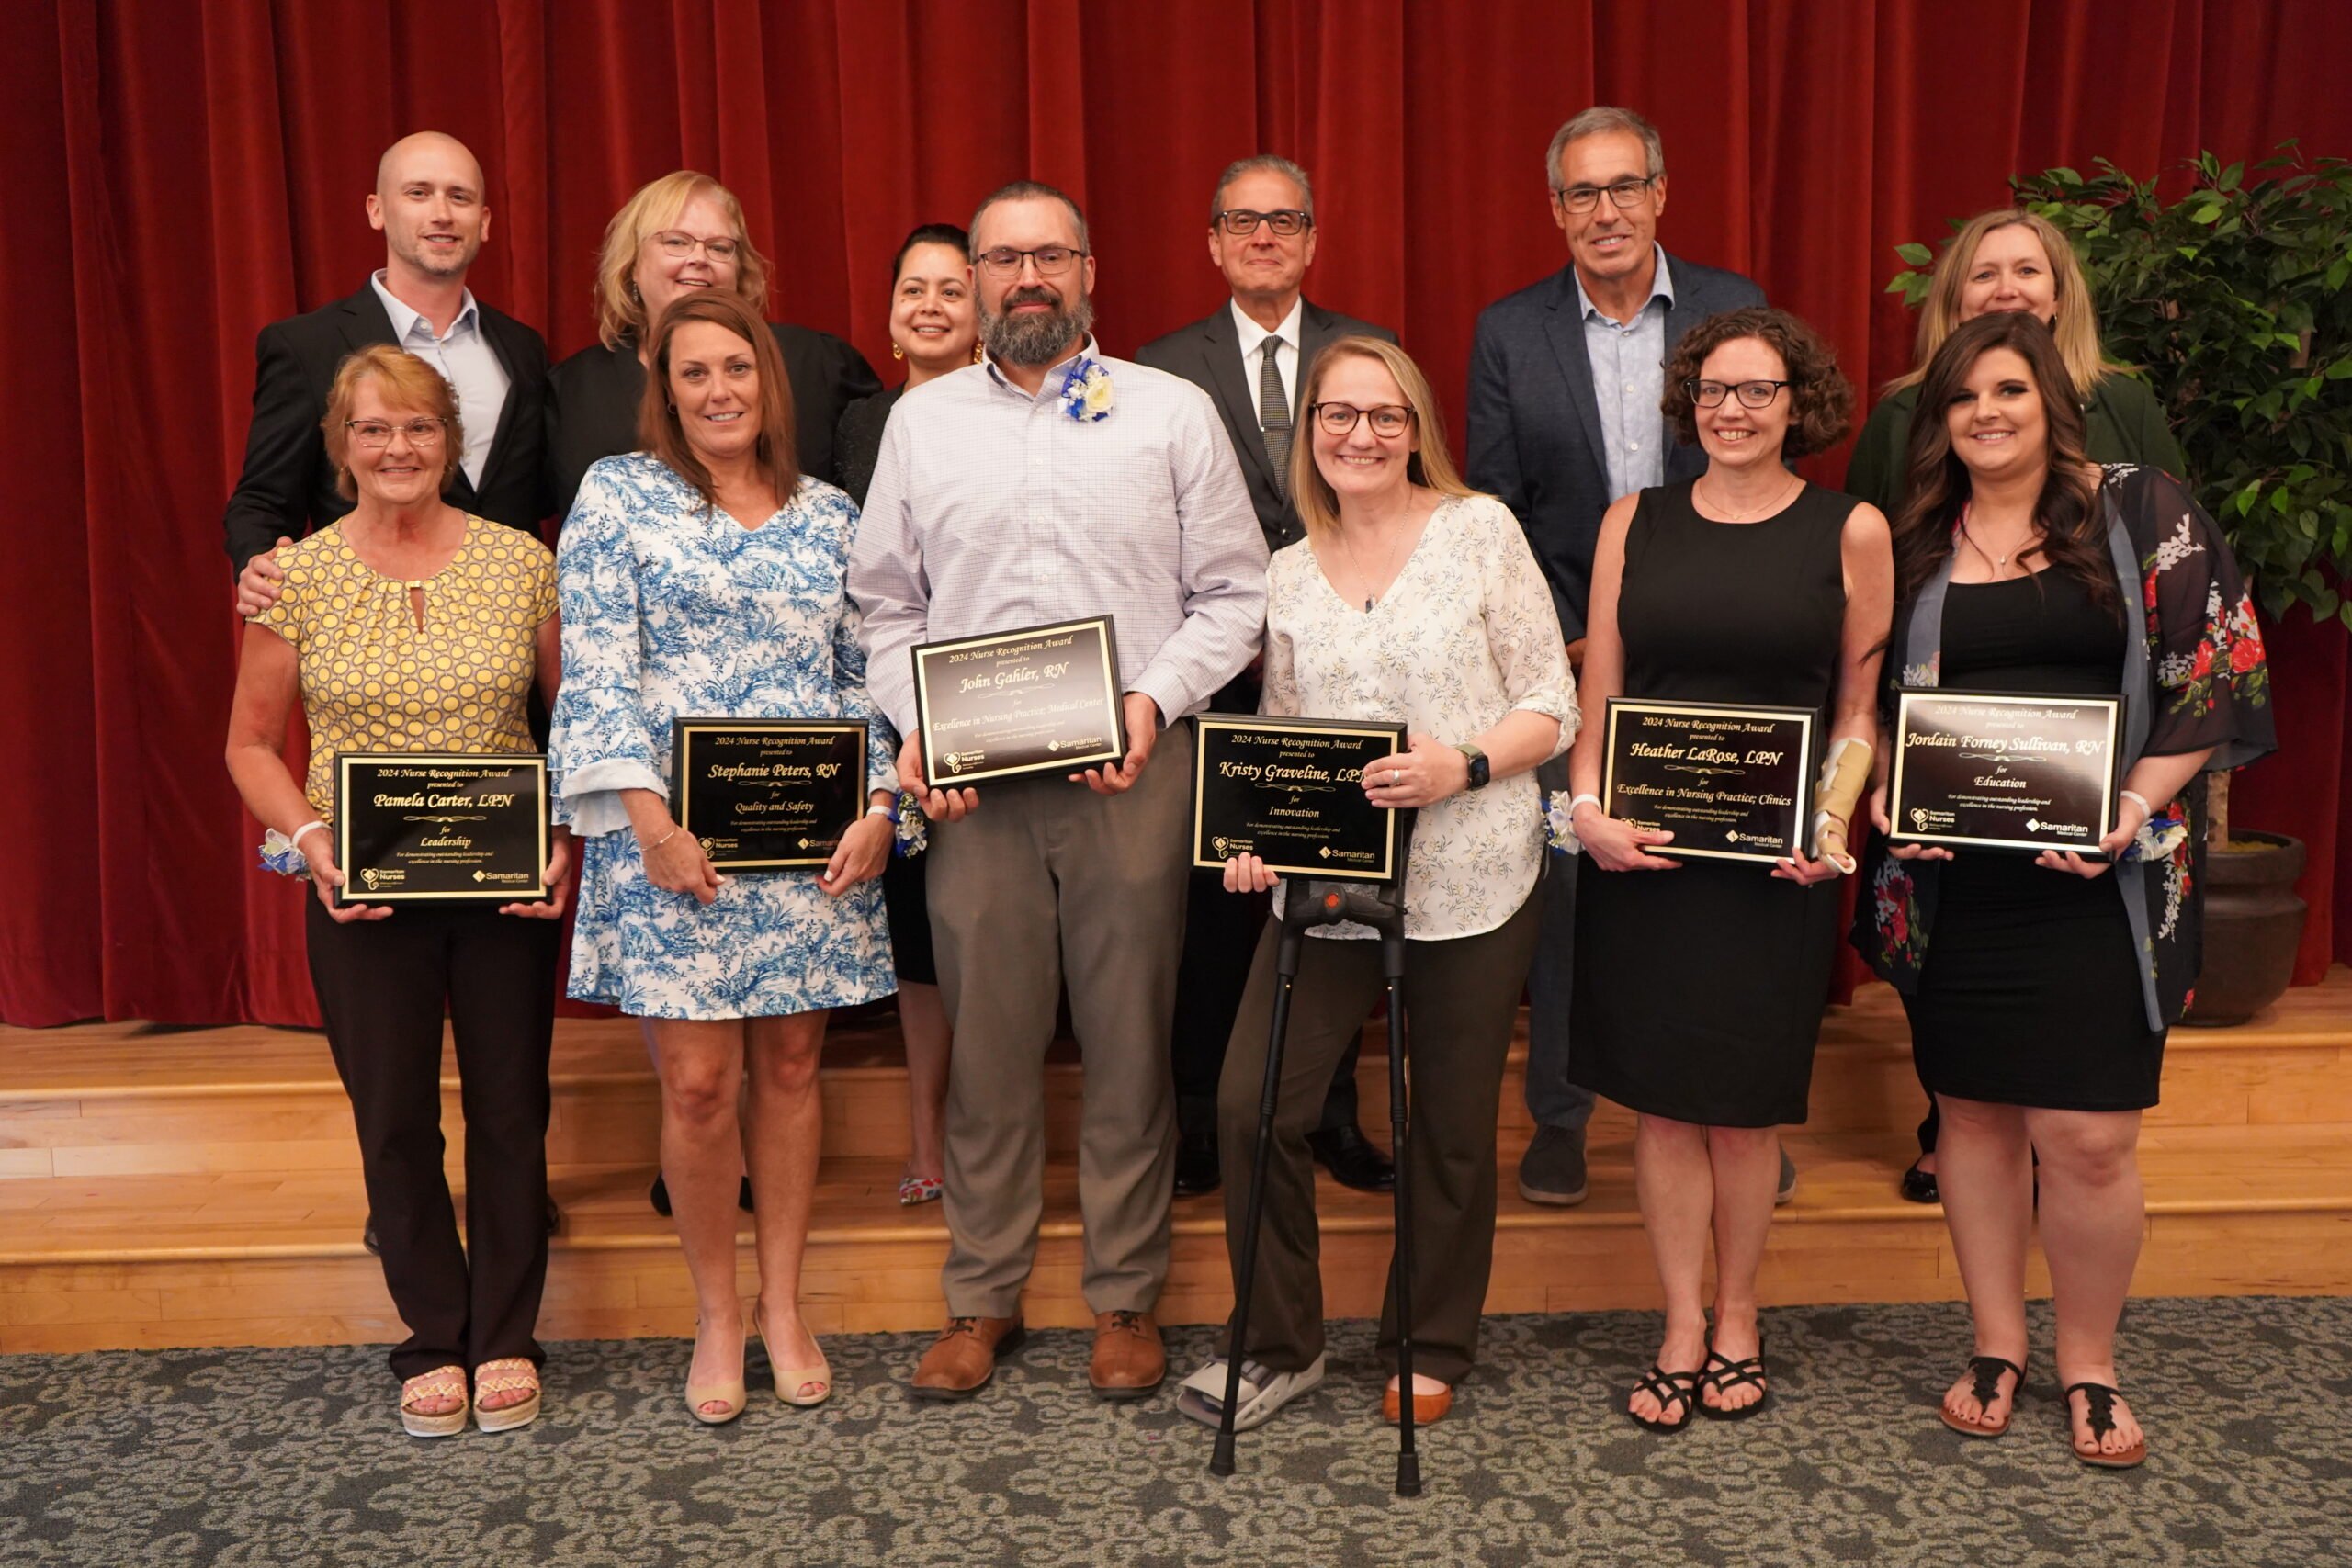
[2038, 1008]
[1699, 980]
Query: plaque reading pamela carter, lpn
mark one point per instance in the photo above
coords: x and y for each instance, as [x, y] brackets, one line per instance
[441, 827]
[767, 794]
[2004, 770]
[1040, 699]
[1290, 791]
[1729, 782]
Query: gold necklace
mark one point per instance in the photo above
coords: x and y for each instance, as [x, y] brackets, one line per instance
[2000, 562]
[1774, 505]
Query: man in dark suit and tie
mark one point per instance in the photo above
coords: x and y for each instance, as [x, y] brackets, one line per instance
[1566, 381]
[1251, 356]
[429, 204]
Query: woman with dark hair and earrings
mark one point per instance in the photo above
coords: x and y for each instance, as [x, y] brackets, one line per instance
[2040, 989]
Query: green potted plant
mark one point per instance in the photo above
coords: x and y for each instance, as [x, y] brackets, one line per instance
[2232, 302]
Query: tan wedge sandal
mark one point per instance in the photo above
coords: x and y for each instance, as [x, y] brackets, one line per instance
[441, 1382]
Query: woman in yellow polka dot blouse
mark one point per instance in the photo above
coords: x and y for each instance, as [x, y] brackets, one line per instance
[408, 626]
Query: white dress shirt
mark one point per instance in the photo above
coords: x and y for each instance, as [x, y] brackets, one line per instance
[466, 361]
[1252, 339]
[992, 510]
[1629, 383]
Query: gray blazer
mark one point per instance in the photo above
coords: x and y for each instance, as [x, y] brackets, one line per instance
[1534, 423]
[1208, 355]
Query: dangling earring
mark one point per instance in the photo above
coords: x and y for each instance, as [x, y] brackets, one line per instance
[977, 354]
[896, 352]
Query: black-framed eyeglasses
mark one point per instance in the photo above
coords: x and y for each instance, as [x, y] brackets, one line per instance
[1005, 261]
[423, 431]
[1285, 221]
[1341, 419]
[1625, 195]
[1752, 394]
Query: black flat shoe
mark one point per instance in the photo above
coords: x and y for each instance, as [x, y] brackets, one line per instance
[1352, 1159]
[659, 1196]
[1919, 1186]
[1196, 1167]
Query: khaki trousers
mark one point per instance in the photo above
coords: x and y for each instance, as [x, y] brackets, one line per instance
[1048, 881]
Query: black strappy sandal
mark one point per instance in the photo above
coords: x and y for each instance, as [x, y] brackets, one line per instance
[1667, 1388]
[2099, 1405]
[1730, 1375]
[1986, 1370]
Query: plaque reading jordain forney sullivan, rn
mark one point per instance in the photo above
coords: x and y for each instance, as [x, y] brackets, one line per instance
[1038, 699]
[2004, 770]
[1290, 791]
[1729, 782]
[767, 794]
[441, 827]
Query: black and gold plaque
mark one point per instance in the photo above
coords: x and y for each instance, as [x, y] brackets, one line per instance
[441, 827]
[767, 794]
[1041, 699]
[2004, 770]
[1730, 783]
[1290, 791]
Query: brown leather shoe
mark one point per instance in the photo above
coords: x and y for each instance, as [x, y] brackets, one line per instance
[962, 1359]
[1129, 1360]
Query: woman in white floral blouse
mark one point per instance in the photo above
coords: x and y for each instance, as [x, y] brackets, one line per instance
[1411, 600]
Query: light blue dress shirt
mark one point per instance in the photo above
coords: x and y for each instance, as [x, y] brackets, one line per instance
[466, 361]
[1629, 382]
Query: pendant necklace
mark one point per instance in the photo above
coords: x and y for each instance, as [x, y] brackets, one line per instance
[2000, 562]
[1352, 561]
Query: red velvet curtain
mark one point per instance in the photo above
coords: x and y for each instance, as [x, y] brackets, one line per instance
[182, 172]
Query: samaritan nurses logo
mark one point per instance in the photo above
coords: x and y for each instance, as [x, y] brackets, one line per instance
[1919, 819]
[368, 876]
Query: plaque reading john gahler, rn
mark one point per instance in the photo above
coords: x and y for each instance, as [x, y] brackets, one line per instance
[1039, 699]
[441, 827]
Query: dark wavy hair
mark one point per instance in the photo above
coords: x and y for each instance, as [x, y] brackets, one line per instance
[1821, 401]
[658, 427]
[1939, 483]
[948, 235]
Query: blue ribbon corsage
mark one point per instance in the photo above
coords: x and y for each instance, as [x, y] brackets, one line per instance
[910, 828]
[278, 854]
[1086, 390]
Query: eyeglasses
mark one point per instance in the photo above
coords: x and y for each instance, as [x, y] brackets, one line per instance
[677, 244]
[1341, 419]
[1753, 394]
[374, 432]
[1285, 221]
[1005, 261]
[1625, 195]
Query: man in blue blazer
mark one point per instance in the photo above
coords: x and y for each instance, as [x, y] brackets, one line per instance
[1566, 381]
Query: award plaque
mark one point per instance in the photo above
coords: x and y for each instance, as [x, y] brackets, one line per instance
[2002, 770]
[1729, 782]
[767, 794]
[1290, 791]
[1042, 699]
[441, 827]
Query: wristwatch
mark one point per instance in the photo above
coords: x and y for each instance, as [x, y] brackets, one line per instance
[1479, 769]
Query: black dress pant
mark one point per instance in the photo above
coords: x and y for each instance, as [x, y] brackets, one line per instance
[383, 987]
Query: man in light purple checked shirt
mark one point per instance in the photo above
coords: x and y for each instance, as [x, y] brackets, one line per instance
[1049, 483]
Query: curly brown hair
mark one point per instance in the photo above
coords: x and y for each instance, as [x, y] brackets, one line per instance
[1821, 401]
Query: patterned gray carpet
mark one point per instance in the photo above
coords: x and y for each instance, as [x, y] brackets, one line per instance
[293, 1457]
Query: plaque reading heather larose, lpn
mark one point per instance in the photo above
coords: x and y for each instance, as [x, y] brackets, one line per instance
[1290, 791]
[1038, 699]
[1729, 782]
[767, 794]
[441, 827]
[2004, 770]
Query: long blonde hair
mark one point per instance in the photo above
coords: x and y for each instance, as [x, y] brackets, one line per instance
[2076, 328]
[1432, 466]
[621, 310]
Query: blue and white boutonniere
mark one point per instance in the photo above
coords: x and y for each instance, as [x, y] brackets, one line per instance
[1086, 390]
[911, 829]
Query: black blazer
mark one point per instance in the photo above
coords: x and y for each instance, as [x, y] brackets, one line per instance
[1535, 427]
[288, 486]
[591, 413]
[1208, 355]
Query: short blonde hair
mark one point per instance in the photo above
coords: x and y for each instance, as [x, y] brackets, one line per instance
[620, 310]
[2076, 328]
[409, 383]
[1432, 466]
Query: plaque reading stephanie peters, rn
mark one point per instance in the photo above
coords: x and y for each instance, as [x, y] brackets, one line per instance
[1729, 782]
[2004, 771]
[441, 827]
[767, 794]
[1042, 699]
[1290, 791]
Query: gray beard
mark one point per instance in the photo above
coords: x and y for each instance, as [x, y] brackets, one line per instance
[1036, 339]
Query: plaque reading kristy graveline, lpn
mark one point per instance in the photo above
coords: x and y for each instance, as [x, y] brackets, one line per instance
[767, 794]
[1290, 791]
[2004, 770]
[1038, 699]
[1729, 782]
[441, 827]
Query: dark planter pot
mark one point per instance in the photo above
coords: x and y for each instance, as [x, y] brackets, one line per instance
[2254, 923]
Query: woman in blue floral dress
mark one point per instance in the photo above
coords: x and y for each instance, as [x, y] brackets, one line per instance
[702, 577]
